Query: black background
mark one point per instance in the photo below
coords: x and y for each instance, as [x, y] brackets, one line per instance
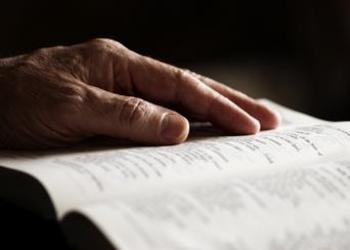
[170, 30]
[309, 38]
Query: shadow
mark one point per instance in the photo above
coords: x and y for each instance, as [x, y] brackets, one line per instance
[199, 131]
[21, 229]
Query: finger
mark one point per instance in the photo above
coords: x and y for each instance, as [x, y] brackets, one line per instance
[131, 118]
[165, 84]
[268, 118]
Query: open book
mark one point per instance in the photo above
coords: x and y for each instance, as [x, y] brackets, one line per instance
[282, 189]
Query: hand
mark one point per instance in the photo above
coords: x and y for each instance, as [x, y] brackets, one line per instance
[60, 95]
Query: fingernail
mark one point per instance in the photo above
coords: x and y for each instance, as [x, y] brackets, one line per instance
[174, 128]
[257, 126]
[278, 119]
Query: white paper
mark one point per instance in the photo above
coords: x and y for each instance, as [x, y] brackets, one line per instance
[302, 208]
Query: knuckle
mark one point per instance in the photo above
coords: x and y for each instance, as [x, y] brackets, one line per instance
[132, 110]
[103, 44]
[180, 74]
[190, 72]
[100, 41]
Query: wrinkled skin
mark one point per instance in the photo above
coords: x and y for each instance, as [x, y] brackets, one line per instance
[57, 96]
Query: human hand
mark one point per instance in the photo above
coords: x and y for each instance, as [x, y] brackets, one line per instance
[60, 95]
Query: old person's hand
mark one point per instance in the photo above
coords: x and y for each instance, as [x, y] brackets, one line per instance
[60, 95]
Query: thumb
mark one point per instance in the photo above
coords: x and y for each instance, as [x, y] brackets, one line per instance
[132, 118]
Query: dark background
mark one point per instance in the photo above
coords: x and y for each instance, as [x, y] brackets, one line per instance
[170, 30]
[295, 52]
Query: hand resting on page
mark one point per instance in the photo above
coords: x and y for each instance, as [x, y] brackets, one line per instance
[61, 95]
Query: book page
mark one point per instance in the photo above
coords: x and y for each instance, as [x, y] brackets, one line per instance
[302, 208]
[78, 178]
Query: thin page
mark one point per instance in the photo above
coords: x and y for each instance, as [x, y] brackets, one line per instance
[300, 208]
